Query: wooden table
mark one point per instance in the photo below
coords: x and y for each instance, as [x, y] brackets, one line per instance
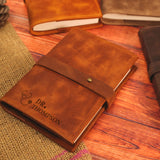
[130, 129]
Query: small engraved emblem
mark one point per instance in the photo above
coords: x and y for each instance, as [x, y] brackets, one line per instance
[25, 97]
[38, 105]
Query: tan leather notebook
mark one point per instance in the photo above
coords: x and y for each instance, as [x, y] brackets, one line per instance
[68, 89]
[127, 12]
[54, 16]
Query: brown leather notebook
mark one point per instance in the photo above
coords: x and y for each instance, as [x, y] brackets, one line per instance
[150, 40]
[68, 89]
[55, 16]
[127, 12]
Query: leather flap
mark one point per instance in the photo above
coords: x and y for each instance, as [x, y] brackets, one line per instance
[85, 80]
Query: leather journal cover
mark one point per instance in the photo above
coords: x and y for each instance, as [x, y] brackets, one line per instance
[68, 89]
[55, 16]
[150, 40]
[127, 12]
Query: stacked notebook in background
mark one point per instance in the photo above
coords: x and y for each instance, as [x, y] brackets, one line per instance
[54, 16]
[150, 39]
[128, 12]
[85, 73]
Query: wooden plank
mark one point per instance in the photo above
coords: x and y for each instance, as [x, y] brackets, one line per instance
[17, 7]
[118, 139]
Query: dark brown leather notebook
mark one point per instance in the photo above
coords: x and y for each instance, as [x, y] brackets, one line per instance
[55, 16]
[128, 12]
[68, 89]
[150, 40]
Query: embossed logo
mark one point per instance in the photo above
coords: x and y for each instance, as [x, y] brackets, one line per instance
[25, 97]
[37, 105]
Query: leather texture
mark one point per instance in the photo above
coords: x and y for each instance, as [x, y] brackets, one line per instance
[55, 10]
[127, 7]
[60, 108]
[75, 75]
[154, 68]
[150, 40]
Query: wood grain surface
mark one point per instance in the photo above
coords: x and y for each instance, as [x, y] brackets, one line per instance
[130, 129]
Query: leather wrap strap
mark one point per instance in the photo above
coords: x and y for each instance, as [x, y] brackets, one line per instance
[83, 79]
[153, 69]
